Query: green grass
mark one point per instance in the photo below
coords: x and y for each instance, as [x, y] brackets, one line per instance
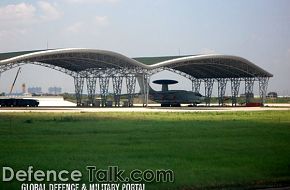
[230, 149]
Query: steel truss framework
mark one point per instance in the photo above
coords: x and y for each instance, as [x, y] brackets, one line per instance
[104, 87]
[9, 66]
[91, 88]
[104, 76]
[117, 88]
[222, 84]
[79, 84]
[263, 84]
[196, 85]
[100, 66]
[235, 87]
[249, 88]
[130, 83]
[208, 85]
[146, 81]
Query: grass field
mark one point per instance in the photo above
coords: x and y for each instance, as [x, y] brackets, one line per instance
[205, 150]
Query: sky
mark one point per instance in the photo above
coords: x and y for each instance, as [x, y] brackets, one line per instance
[258, 30]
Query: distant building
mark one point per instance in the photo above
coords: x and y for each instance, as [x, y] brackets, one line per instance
[272, 95]
[23, 88]
[35, 90]
[54, 90]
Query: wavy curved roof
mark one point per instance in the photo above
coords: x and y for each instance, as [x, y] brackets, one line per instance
[198, 66]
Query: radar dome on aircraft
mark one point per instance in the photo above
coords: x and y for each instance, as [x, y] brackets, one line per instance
[165, 83]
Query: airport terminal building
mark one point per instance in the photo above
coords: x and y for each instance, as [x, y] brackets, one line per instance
[92, 67]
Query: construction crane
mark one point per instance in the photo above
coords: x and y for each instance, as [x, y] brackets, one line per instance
[18, 71]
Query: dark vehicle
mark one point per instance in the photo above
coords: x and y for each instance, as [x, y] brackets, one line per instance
[15, 102]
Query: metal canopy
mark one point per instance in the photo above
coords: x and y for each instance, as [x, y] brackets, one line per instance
[75, 59]
[198, 66]
[215, 66]
[98, 65]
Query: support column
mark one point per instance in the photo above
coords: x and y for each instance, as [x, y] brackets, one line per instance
[117, 88]
[143, 80]
[91, 87]
[104, 87]
[222, 84]
[146, 81]
[263, 85]
[235, 86]
[79, 84]
[208, 84]
[196, 85]
[130, 83]
[249, 88]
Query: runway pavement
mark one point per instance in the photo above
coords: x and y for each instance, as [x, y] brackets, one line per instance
[140, 109]
[58, 104]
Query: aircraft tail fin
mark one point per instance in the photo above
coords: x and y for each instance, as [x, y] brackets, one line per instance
[151, 91]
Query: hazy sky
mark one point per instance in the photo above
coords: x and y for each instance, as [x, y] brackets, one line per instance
[258, 30]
